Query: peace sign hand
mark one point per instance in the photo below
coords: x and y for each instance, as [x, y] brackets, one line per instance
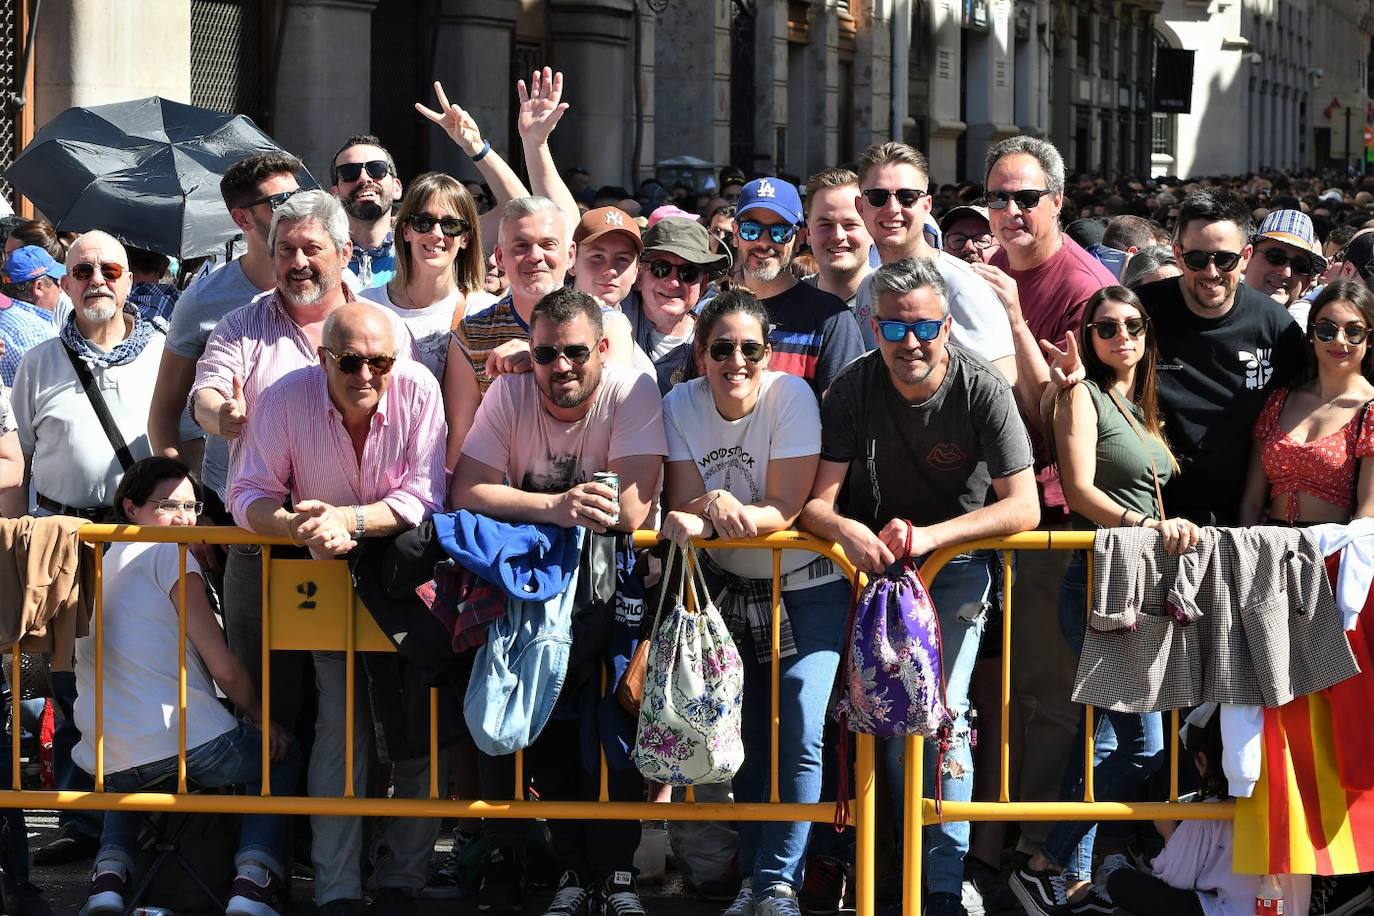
[1066, 368]
[456, 122]
[541, 106]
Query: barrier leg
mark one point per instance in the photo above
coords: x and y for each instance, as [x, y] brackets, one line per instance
[864, 837]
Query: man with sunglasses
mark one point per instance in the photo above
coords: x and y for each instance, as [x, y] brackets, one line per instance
[922, 445]
[364, 180]
[252, 189]
[1287, 257]
[676, 267]
[895, 203]
[536, 442]
[813, 334]
[1222, 347]
[315, 439]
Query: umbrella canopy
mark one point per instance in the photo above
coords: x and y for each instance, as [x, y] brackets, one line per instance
[146, 171]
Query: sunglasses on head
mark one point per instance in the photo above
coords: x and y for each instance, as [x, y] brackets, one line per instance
[687, 274]
[377, 169]
[110, 270]
[1108, 328]
[780, 233]
[906, 197]
[1302, 264]
[1196, 260]
[350, 363]
[451, 226]
[577, 354]
[927, 329]
[276, 200]
[1026, 200]
[723, 349]
[1325, 330]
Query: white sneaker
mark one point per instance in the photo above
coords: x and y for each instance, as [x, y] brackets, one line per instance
[744, 902]
[781, 901]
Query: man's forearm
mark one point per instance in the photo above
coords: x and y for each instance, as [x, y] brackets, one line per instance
[379, 520]
[266, 516]
[507, 503]
[1007, 516]
[206, 410]
[820, 518]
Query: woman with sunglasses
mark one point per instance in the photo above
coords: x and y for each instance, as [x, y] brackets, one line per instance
[439, 264]
[743, 447]
[139, 631]
[1310, 438]
[1113, 462]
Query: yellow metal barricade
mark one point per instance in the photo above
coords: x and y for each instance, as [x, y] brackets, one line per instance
[311, 605]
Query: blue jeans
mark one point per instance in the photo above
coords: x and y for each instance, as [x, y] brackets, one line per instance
[232, 759]
[773, 852]
[1127, 748]
[961, 594]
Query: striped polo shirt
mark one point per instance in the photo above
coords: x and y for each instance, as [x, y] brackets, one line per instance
[481, 332]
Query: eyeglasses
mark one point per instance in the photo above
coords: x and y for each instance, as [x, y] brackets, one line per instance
[377, 169]
[274, 201]
[451, 226]
[1197, 261]
[1108, 328]
[1302, 264]
[110, 270]
[172, 505]
[925, 330]
[577, 354]
[1325, 330]
[686, 273]
[1026, 200]
[906, 197]
[780, 233]
[752, 350]
[958, 240]
[350, 362]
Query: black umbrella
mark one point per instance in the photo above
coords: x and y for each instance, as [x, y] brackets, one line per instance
[146, 171]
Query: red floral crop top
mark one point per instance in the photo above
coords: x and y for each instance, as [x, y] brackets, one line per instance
[1324, 468]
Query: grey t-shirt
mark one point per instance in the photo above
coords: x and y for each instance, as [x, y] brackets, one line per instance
[979, 321]
[199, 309]
[926, 462]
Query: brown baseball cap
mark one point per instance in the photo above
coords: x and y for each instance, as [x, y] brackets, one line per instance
[598, 222]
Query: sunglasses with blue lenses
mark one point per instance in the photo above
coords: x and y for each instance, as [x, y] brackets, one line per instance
[780, 233]
[925, 330]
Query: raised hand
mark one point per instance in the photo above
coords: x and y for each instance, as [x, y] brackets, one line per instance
[541, 106]
[233, 411]
[1066, 367]
[456, 122]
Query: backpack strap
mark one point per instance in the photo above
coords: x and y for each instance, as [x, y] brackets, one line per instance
[102, 410]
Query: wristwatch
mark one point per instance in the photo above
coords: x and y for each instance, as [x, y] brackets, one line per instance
[359, 522]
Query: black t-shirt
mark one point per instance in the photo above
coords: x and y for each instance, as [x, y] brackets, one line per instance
[926, 462]
[813, 335]
[1214, 376]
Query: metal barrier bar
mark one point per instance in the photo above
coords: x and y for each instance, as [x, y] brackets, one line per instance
[16, 660]
[266, 649]
[775, 680]
[97, 631]
[181, 668]
[1004, 777]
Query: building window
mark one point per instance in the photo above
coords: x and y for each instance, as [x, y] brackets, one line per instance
[1084, 43]
[227, 56]
[1162, 134]
[1104, 46]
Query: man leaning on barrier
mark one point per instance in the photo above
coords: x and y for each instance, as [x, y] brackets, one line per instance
[357, 443]
[920, 430]
[535, 443]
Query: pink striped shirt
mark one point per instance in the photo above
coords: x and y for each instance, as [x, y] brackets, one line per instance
[260, 343]
[297, 446]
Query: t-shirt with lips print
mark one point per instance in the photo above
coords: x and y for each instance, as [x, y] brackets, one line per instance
[924, 462]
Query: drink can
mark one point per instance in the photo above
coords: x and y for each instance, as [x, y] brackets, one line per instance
[612, 480]
[151, 911]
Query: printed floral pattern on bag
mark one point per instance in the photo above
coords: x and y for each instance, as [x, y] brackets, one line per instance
[689, 721]
[892, 683]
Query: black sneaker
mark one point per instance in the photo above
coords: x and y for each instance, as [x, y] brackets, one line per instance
[571, 898]
[1040, 893]
[502, 889]
[461, 872]
[26, 899]
[249, 898]
[1340, 896]
[70, 845]
[620, 895]
[944, 905]
[989, 885]
[823, 885]
[393, 901]
[1094, 904]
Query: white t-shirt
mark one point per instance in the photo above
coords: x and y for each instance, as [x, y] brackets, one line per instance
[140, 666]
[734, 455]
[70, 456]
[979, 321]
[429, 326]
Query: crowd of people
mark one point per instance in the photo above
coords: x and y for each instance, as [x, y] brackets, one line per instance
[890, 364]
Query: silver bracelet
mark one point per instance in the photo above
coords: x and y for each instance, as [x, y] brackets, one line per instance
[359, 521]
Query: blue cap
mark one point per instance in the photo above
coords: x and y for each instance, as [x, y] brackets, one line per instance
[30, 263]
[771, 194]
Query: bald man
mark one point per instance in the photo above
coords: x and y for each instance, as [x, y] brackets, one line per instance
[357, 442]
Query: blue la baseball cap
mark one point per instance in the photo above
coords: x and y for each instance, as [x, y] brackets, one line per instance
[771, 194]
[30, 263]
